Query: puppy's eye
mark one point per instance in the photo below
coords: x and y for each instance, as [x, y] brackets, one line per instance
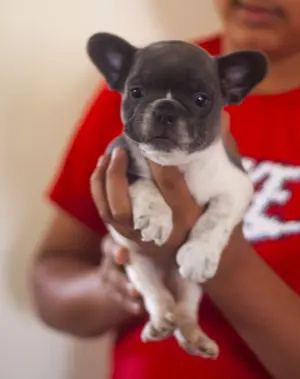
[201, 99]
[136, 92]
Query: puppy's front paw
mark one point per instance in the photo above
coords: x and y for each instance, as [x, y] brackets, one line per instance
[154, 227]
[198, 259]
[154, 220]
[151, 214]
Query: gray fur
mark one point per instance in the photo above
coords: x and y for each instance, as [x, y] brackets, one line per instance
[137, 164]
[173, 93]
[234, 160]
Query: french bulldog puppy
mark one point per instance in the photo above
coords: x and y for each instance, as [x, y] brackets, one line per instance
[173, 94]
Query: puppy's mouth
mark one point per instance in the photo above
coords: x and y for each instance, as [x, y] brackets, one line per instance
[162, 141]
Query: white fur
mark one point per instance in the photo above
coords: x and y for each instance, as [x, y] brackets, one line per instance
[213, 179]
[151, 215]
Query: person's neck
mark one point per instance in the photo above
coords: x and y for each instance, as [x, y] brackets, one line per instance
[283, 73]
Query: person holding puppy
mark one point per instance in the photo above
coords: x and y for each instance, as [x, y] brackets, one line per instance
[252, 305]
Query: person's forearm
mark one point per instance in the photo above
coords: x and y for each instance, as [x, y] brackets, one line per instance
[69, 297]
[260, 306]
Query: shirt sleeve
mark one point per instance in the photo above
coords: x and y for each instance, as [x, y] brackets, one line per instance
[70, 189]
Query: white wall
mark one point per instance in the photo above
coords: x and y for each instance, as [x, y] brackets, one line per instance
[45, 80]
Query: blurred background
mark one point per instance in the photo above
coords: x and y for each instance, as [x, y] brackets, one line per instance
[46, 81]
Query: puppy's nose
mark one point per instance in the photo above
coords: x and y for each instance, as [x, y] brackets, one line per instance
[166, 112]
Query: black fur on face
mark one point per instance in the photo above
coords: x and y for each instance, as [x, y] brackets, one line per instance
[173, 92]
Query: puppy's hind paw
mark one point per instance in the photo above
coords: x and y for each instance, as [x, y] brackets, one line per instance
[196, 342]
[163, 329]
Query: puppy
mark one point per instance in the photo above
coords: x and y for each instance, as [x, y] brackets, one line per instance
[173, 94]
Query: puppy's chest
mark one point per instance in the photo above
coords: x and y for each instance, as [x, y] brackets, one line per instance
[204, 182]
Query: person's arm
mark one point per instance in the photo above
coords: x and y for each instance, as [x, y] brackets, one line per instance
[72, 292]
[260, 306]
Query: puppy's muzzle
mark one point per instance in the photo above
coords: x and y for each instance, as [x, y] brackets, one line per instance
[167, 112]
[166, 121]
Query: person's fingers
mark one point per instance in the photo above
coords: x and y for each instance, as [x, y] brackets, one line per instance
[98, 191]
[107, 263]
[121, 255]
[170, 182]
[117, 189]
[133, 307]
[176, 193]
[120, 283]
[107, 245]
[124, 292]
[116, 279]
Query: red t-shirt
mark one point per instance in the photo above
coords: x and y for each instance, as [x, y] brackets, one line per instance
[267, 131]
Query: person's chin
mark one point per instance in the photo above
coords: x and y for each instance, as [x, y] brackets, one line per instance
[244, 37]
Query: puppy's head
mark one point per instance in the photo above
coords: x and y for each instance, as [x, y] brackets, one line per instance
[173, 92]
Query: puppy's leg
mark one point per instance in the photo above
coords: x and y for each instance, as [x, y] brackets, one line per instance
[199, 257]
[153, 217]
[188, 333]
[148, 281]
[151, 214]
[160, 304]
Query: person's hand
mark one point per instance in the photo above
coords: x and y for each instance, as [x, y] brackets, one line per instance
[110, 192]
[114, 280]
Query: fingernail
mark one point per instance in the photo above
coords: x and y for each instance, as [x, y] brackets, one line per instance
[116, 254]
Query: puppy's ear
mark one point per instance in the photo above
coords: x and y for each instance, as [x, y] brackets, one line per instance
[239, 73]
[112, 56]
